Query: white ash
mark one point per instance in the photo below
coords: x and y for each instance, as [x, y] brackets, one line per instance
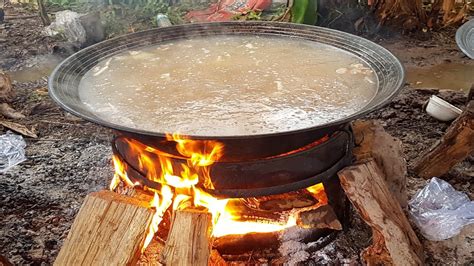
[295, 233]
[294, 252]
[292, 247]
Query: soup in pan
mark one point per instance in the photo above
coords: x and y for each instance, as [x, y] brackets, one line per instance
[228, 86]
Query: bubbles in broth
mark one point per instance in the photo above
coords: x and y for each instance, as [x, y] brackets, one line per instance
[228, 85]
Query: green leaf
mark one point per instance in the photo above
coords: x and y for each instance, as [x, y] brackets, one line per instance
[304, 11]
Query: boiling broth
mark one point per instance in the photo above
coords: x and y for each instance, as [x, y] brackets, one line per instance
[228, 85]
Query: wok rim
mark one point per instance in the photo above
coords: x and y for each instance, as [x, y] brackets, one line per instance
[461, 38]
[334, 123]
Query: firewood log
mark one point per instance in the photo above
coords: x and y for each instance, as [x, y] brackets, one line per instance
[189, 240]
[282, 202]
[394, 241]
[374, 142]
[455, 146]
[108, 230]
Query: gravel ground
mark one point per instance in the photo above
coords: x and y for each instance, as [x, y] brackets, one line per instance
[71, 158]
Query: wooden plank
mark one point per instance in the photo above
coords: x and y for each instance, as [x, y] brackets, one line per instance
[108, 230]
[394, 241]
[372, 141]
[455, 146]
[189, 241]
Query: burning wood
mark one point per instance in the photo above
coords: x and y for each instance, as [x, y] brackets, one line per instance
[181, 188]
[238, 244]
[235, 224]
[282, 202]
[318, 217]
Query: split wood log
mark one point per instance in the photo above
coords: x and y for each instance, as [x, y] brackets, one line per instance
[108, 230]
[321, 216]
[374, 142]
[189, 240]
[394, 241]
[455, 146]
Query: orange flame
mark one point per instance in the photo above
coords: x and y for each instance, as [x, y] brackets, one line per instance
[200, 155]
[160, 208]
[120, 175]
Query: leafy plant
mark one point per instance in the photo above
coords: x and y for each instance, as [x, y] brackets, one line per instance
[249, 15]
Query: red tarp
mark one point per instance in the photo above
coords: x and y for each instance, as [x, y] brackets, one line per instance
[225, 9]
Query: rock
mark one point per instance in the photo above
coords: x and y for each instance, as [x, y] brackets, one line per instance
[65, 48]
[95, 31]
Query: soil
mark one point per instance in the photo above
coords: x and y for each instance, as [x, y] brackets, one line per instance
[40, 197]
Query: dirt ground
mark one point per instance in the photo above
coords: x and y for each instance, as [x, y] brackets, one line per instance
[70, 158]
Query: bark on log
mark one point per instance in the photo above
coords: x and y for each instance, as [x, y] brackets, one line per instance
[108, 230]
[374, 142]
[189, 241]
[394, 241]
[455, 146]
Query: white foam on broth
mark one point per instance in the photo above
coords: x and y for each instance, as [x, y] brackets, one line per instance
[228, 86]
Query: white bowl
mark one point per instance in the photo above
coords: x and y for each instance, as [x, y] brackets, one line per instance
[441, 109]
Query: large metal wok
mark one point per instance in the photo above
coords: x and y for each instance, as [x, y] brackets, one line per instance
[64, 82]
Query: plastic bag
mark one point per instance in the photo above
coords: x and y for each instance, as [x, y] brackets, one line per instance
[67, 23]
[12, 151]
[439, 211]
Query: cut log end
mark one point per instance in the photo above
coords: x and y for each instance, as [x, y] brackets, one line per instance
[108, 230]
